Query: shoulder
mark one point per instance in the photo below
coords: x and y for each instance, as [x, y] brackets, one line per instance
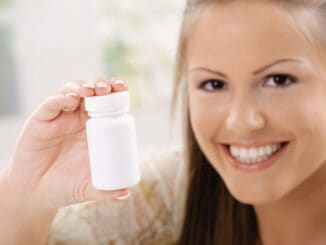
[69, 227]
[159, 197]
[163, 170]
[150, 216]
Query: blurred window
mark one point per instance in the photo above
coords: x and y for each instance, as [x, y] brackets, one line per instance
[8, 84]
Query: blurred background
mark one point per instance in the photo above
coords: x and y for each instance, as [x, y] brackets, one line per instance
[45, 43]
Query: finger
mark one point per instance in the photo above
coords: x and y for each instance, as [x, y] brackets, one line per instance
[102, 87]
[75, 106]
[82, 104]
[87, 89]
[124, 197]
[118, 85]
[99, 86]
[54, 105]
[72, 86]
[91, 193]
[82, 88]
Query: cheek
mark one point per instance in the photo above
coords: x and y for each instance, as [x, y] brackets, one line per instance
[300, 113]
[199, 122]
[206, 120]
[302, 119]
[309, 122]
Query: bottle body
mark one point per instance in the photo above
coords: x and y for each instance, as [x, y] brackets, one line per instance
[113, 154]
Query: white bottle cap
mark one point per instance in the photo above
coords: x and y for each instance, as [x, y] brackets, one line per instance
[116, 102]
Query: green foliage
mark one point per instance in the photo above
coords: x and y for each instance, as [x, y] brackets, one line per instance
[117, 57]
[138, 43]
[119, 60]
[4, 4]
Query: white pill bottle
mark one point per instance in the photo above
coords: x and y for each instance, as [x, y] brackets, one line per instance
[112, 144]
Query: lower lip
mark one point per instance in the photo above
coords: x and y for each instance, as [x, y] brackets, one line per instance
[255, 166]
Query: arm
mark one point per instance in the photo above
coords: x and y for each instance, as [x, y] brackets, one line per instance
[50, 167]
[22, 221]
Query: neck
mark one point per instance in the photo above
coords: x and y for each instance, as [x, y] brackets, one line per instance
[299, 218]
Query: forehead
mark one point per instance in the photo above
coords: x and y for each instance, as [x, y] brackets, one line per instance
[255, 30]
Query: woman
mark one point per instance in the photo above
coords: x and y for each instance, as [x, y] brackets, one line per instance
[252, 78]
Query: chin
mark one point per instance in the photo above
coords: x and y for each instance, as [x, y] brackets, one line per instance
[254, 196]
[254, 201]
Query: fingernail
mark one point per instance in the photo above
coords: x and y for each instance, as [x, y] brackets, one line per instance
[75, 87]
[67, 110]
[72, 94]
[119, 81]
[89, 84]
[101, 84]
[123, 197]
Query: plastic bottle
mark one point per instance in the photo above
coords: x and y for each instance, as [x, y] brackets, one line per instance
[112, 144]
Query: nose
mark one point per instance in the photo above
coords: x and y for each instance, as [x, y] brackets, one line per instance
[245, 117]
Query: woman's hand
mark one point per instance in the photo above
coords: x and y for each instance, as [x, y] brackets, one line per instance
[50, 164]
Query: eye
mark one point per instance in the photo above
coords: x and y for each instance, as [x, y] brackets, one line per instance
[211, 85]
[280, 80]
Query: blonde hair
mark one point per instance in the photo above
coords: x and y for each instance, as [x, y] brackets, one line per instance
[212, 214]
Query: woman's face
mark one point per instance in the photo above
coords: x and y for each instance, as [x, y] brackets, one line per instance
[272, 92]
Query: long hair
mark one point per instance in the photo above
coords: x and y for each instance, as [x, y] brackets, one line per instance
[212, 214]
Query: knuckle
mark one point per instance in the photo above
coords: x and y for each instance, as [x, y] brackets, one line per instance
[50, 100]
[71, 86]
[80, 191]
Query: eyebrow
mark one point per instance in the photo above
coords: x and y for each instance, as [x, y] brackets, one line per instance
[256, 72]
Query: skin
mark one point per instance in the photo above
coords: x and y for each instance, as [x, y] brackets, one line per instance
[289, 196]
[50, 168]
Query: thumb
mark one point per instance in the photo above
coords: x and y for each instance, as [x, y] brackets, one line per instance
[54, 105]
[88, 192]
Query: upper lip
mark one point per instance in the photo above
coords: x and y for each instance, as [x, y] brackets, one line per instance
[254, 144]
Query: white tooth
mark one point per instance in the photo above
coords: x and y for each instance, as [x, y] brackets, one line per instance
[252, 153]
[234, 151]
[261, 151]
[243, 153]
[268, 149]
[237, 151]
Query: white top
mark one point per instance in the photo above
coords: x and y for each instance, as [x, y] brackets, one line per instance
[152, 215]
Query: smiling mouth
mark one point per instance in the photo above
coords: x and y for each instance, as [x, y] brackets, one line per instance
[254, 155]
[282, 144]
